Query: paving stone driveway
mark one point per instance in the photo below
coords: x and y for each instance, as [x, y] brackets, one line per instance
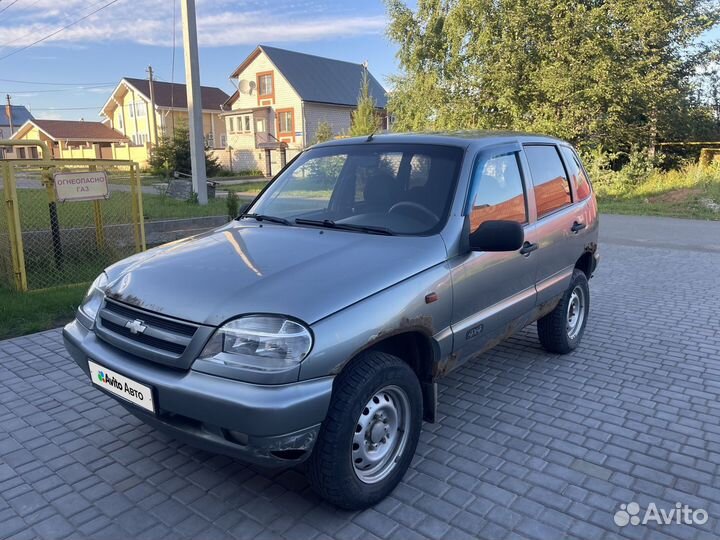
[530, 445]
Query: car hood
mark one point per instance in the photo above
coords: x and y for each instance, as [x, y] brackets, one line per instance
[242, 268]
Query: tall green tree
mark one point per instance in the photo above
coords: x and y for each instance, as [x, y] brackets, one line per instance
[365, 119]
[611, 72]
[173, 154]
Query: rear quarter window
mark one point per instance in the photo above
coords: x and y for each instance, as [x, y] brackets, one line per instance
[550, 181]
[577, 173]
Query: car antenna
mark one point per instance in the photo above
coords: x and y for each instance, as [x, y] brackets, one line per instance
[371, 135]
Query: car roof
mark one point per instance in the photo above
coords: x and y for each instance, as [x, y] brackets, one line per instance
[462, 139]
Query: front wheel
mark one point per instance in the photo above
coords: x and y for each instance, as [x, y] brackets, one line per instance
[370, 434]
[561, 330]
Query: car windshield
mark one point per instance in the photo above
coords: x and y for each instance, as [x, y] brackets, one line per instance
[370, 188]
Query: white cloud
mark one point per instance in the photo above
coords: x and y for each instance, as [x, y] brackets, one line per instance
[218, 23]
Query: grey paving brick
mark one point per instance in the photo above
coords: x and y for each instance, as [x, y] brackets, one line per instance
[530, 445]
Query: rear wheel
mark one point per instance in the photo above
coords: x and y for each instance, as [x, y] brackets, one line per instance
[561, 330]
[370, 434]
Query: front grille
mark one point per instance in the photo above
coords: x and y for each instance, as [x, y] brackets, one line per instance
[161, 336]
[156, 322]
[144, 339]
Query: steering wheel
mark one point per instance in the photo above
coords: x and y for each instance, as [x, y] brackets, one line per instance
[409, 205]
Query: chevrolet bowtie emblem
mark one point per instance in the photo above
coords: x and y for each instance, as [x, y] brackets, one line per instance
[136, 327]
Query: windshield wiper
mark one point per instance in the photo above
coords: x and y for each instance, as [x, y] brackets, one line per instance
[330, 224]
[263, 217]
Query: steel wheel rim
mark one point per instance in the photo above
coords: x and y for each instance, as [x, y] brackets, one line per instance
[381, 434]
[575, 312]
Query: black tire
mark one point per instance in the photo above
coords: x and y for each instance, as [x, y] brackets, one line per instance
[330, 468]
[553, 329]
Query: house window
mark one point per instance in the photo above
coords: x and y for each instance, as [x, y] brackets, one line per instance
[21, 152]
[240, 124]
[131, 110]
[285, 122]
[140, 109]
[120, 121]
[139, 138]
[223, 140]
[265, 84]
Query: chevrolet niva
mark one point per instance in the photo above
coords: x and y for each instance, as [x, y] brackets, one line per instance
[315, 326]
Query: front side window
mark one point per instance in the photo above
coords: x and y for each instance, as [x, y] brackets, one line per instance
[550, 182]
[374, 185]
[497, 191]
[265, 84]
[246, 122]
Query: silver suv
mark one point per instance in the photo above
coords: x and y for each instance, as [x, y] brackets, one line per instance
[315, 326]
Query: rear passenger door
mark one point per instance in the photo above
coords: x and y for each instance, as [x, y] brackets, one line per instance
[557, 220]
[491, 290]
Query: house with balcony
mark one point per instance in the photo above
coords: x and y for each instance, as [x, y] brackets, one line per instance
[128, 111]
[281, 98]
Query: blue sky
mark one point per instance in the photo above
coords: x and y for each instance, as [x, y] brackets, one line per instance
[122, 39]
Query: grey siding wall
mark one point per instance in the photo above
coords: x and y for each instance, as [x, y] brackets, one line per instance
[337, 117]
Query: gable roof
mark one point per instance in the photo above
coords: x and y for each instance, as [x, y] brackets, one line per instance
[175, 94]
[72, 130]
[319, 79]
[20, 115]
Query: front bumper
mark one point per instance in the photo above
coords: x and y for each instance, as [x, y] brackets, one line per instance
[264, 424]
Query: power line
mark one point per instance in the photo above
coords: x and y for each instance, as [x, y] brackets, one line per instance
[48, 36]
[58, 83]
[11, 4]
[33, 32]
[67, 108]
[35, 91]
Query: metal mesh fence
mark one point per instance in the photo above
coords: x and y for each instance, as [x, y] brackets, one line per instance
[6, 266]
[70, 241]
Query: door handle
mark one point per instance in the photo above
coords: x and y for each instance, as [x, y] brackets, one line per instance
[577, 226]
[528, 248]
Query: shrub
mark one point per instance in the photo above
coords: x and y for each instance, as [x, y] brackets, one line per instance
[233, 205]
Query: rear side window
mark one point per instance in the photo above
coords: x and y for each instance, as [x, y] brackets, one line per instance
[577, 173]
[497, 191]
[551, 186]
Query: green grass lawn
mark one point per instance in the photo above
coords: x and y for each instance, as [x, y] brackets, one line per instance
[25, 313]
[34, 213]
[691, 192]
[250, 187]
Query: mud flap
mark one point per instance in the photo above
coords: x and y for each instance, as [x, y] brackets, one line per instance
[430, 401]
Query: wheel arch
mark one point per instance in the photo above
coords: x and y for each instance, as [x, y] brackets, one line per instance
[586, 263]
[420, 351]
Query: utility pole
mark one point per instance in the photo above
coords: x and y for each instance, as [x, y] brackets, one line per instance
[8, 110]
[192, 83]
[152, 105]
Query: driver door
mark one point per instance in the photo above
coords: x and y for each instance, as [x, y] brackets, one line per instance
[493, 291]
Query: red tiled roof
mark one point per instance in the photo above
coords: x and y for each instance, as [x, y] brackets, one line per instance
[79, 130]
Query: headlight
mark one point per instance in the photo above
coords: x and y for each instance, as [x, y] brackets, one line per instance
[259, 343]
[94, 297]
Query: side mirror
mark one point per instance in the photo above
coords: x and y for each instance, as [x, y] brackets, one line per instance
[497, 236]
